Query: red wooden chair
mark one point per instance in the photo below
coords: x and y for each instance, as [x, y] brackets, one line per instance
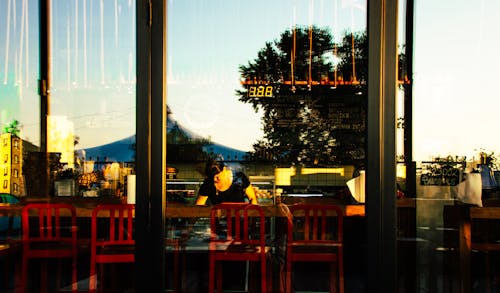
[46, 234]
[177, 247]
[315, 235]
[237, 233]
[113, 241]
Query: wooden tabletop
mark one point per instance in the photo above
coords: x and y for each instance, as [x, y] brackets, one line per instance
[178, 210]
[84, 206]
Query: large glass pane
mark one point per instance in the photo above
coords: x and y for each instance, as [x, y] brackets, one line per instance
[91, 124]
[19, 100]
[455, 147]
[275, 91]
[19, 121]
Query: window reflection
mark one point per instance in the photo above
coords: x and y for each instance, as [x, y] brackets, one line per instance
[286, 100]
[92, 117]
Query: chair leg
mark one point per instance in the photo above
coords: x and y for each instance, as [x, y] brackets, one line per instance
[179, 268]
[340, 263]
[43, 276]
[93, 277]
[218, 270]
[288, 277]
[282, 278]
[24, 274]
[263, 275]
[333, 278]
[74, 277]
[269, 276]
[176, 270]
[487, 273]
[211, 275]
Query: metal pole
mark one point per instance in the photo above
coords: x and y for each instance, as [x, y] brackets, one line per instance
[44, 92]
[408, 104]
[151, 146]
[381, 160]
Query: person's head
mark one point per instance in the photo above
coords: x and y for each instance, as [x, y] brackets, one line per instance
[222, 176]
[213, 167]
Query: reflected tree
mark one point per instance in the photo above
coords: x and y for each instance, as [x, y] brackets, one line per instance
[183, 148]
[14, 128]
[312, 93]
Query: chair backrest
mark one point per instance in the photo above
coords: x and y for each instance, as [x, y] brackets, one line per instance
[120, 228]
[238, 221]
[54, 222]
[226, 221]
[315, 223]
[484, 228]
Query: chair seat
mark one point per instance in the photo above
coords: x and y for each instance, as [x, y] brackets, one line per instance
[115, 254]
[486, 246]
[116, 249]
[241, 251]
[50, 245]
[314, 249]
[245, 248]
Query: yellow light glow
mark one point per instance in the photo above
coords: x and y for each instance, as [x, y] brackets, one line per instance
[401, 171]
[283, 176]
[306, 171]
[60, 138]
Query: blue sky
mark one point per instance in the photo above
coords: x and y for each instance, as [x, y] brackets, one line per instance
[208, 40]
[456, 98]
[456, 57]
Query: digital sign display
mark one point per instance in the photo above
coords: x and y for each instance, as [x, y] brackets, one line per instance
[260, 91]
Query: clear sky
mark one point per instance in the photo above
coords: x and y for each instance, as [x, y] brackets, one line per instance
[456, 97]
[208, 40]
[456, 57]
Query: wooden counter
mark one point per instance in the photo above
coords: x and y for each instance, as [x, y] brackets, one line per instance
[177, 210]
[84, 206]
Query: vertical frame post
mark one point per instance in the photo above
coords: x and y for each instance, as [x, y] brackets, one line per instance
[151, 145]
[381, 161]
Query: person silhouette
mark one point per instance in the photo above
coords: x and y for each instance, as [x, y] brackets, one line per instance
[221, 186]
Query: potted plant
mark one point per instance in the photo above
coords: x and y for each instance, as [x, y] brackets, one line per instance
[487, 167]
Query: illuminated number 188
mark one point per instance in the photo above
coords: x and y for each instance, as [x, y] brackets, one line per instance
[260, 91]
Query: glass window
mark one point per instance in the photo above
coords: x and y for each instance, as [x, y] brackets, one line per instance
[455, 104]
[19, 69]
[287, 99]
[276, 91]
[91, 125]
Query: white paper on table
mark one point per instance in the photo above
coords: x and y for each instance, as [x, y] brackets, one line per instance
[469, 190]
[356, 186]
[131, 189]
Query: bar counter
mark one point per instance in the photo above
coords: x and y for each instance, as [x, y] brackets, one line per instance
[173, 210]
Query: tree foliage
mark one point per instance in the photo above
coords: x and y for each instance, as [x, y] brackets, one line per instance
[13, 128]
[182, 148]
[308, 119]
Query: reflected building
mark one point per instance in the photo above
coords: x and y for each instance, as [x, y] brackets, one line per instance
[11, 151]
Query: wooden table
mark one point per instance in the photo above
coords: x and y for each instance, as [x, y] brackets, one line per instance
[178, 210]
[466, 244]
